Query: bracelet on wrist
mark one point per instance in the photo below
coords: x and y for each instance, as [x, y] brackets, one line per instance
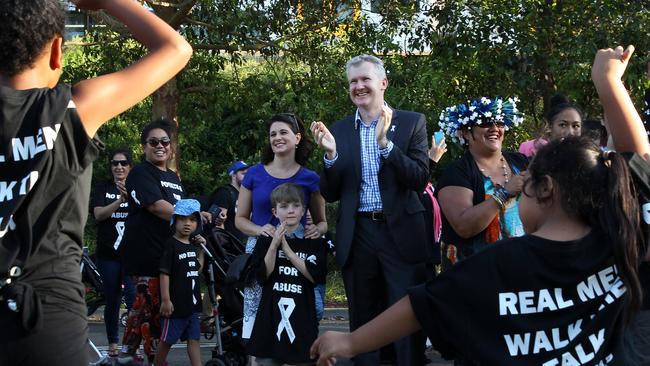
[499, 202]
[502, 193]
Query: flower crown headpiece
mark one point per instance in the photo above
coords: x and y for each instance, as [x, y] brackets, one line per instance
[477, 112]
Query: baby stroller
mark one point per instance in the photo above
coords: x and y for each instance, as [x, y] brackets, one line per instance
[94, 285]
[227, 301]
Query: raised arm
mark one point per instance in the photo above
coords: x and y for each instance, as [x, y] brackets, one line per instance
[623, 120]
[104, 97]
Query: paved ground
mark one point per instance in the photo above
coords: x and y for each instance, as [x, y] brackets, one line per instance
[334, 319]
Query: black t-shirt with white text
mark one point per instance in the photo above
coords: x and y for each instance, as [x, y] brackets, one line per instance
[527, 301]
[145, 233]
[110, 231]
[45, 170]
[181, 262]
[286, 323]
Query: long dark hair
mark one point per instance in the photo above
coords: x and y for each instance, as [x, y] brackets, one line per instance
[295, 123]
[596, 187]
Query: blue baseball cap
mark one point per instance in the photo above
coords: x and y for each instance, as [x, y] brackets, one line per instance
[188, 207]
[237, 166]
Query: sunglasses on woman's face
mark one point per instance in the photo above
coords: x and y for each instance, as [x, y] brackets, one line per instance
[490, 124]
[153, 142]
[120, 162]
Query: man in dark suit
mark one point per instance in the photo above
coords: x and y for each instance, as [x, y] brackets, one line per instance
[376, 164]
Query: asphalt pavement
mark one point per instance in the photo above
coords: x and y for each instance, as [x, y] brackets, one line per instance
[333, 319]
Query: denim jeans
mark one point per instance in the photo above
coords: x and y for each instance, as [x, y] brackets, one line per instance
[319, 296]
[113, 277]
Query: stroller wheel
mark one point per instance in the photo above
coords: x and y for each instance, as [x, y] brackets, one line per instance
[235, 359]
[215, 362]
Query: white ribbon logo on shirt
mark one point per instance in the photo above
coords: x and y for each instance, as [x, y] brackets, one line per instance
[119, 226]
[135, 199]
[194, 300]
[286, 306]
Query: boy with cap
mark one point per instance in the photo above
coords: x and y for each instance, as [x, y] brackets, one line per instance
[47, 147]
[180, 292]
[226, 197]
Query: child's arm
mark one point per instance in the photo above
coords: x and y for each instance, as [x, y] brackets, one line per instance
[271, 253]
[104, 97]
[200, 242]
[624, 122]
[166, 307]
[297, 262]
[396, 322]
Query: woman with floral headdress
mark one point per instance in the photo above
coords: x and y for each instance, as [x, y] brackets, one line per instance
[478, 193]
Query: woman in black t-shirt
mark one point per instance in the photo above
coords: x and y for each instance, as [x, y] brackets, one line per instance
[479, 193]
[152, 191]
[110, 209]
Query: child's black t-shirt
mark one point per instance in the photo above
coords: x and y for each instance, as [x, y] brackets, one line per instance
[45, 170]
[110, 231]
[145, 233]
[181, 262]
[286, 323]
[527, 301]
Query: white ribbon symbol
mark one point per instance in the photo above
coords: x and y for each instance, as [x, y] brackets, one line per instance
[119, 226]
[194, 300]
[135, 199]
[286, 305]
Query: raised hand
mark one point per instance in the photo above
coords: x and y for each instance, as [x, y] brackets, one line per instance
[324, 138]
[278, 235]
[385, 119]
[437, 150]
[124, 196]
[611, 63]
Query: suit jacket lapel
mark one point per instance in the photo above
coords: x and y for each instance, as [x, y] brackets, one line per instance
[356, 148]
[392, 130]
[394, 125]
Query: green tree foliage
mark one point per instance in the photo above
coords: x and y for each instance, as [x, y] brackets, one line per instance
[255, 58]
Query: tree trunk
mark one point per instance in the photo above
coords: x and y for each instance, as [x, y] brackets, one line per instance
[165, 104]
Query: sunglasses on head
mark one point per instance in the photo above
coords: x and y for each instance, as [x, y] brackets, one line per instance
[153, 142]
[120, 162]
[294, 121]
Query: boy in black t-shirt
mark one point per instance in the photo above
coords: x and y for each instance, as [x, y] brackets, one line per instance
[47, 147]
[287, 267]
[180, 292]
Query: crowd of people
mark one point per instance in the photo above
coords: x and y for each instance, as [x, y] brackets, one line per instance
[543, 252]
